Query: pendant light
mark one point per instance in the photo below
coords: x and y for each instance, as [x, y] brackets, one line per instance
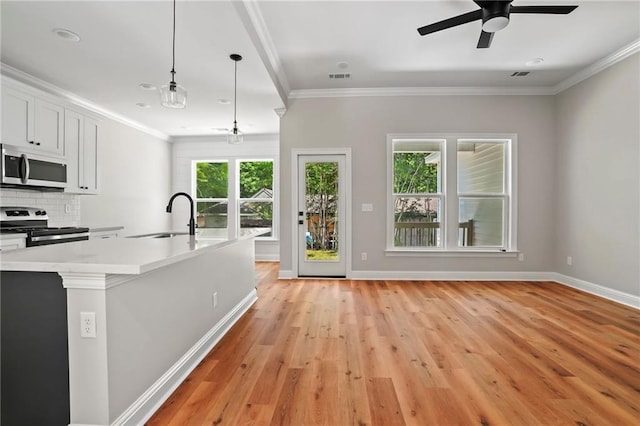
[173, 95]
[235, 136]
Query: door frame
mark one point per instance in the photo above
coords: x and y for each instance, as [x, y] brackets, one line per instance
[295, 154]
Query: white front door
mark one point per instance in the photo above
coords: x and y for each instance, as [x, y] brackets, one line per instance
[321, 216]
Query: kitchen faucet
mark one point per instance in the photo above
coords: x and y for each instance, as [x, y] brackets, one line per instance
[192, 222]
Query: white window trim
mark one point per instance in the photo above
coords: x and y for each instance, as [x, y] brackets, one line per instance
[451, 197]
[233, 192]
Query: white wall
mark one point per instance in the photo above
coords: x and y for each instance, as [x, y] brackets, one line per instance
[598, 207]
[186, 150]
[135, 181]
[362, 124]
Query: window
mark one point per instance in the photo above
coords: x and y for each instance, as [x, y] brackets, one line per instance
[450, 193]
[234, 196]
[256, 196]
[417, 193]
[212, 200]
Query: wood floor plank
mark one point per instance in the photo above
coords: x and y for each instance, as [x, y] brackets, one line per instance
[341, 352]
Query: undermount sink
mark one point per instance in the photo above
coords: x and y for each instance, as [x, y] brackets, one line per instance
[169, 234]
[160, 235]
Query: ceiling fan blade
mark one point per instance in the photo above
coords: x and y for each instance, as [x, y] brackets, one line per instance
[451, 22]
[485, 40]
[549, 10]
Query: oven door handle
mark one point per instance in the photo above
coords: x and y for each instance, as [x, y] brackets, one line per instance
[60, 237]
[24, 168]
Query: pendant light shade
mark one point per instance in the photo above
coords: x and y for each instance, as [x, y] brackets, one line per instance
[173, 95]
[235, 136]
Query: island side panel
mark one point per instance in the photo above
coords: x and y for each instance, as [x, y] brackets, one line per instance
[151, 322]
[156, 319]
[35, 360]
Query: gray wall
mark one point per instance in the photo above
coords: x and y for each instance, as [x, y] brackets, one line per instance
[597, 215]
[135, 181]
[362, 124]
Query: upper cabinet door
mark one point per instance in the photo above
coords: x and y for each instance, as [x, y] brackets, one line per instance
[17, 118]
[89, 157]
[49, 127]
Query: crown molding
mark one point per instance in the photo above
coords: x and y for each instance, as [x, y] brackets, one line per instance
[253, 20]
[598, 66]
[418, 91]
[28, 79]
[280, 112]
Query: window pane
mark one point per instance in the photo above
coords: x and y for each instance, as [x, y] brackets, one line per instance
[417, 222]
[416, 167]
[212, 214]
[256, 179]
[481, 222]
[256, 214]
[211, 180]
[481, 167]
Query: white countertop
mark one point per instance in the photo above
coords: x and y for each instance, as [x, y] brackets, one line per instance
[109, 256]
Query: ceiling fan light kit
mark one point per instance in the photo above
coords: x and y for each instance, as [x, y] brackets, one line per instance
[173, 95]
[495, 17]
[234, 137]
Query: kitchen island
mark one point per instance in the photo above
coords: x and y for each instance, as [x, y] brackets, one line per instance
[160, 305]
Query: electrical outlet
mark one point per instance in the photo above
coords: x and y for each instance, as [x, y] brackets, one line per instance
[521, 257]
[569, 260]
[215, 299]
[364, 255]
[88, 325]
[67, 208]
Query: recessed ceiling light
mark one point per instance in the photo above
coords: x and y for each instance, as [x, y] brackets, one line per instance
[147, 86]
[143, 105]
[342, 65]
[66, 34]
[534, 61]
[224, 101]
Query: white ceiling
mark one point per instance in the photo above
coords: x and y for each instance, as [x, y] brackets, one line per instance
[289, 47]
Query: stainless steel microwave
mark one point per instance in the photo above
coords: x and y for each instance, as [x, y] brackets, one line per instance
[22, 169]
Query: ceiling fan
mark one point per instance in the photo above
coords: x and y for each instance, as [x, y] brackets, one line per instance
[495, 16]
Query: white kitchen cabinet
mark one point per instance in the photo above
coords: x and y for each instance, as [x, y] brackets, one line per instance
[18, 111]
[81, 145]
[12, 243]
[31, 122]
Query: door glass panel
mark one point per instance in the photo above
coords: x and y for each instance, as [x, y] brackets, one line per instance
[321, 202]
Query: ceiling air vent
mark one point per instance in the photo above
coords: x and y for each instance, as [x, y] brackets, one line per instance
[520, 73]
[339, 76]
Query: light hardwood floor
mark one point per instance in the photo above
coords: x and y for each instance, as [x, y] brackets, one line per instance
[331, 352]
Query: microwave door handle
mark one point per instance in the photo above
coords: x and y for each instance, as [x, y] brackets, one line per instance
[24, 168]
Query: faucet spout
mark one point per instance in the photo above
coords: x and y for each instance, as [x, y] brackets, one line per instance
[192, 222]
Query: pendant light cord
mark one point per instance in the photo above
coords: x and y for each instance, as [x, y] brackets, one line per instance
[173, 63]
[235, 96]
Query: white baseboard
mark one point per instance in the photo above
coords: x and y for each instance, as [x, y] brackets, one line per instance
[149, 402]
[287, 275]
[449, 275]
[630, 300]
[267, 257]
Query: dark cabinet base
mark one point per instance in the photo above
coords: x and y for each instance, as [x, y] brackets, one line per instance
[34, 363]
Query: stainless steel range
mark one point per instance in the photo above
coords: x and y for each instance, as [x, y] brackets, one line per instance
[34, 222]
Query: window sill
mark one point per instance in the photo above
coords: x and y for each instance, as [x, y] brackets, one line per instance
[450, 253]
